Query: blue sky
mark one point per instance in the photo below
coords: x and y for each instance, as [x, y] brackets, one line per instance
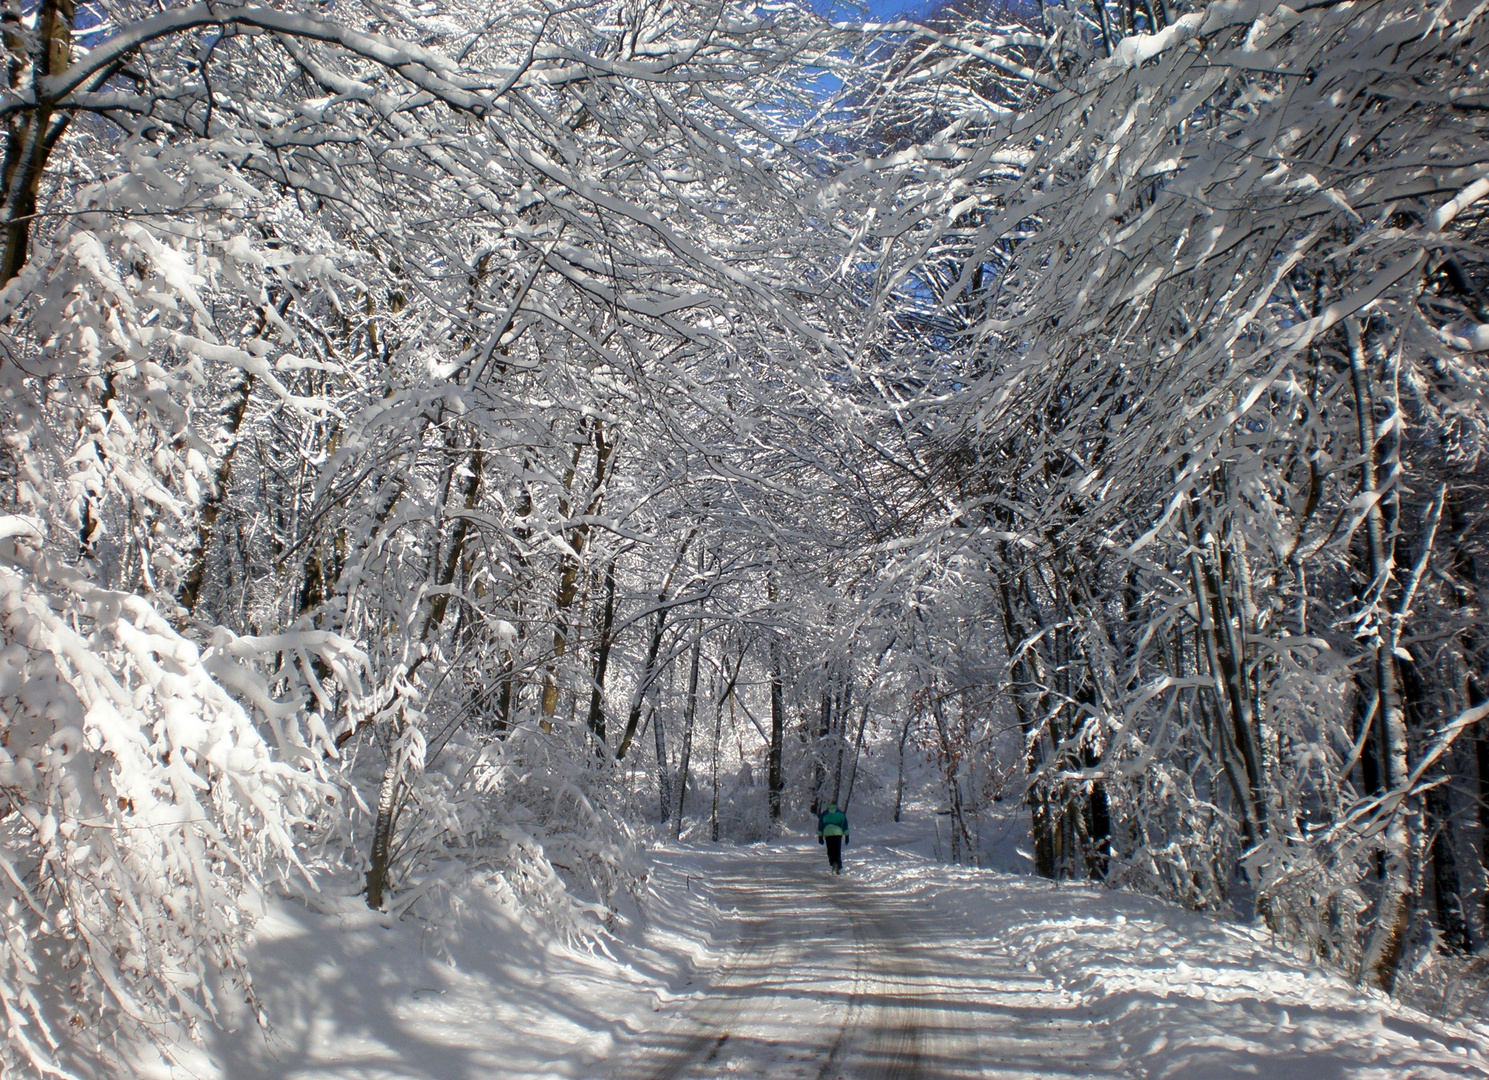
[877, 9]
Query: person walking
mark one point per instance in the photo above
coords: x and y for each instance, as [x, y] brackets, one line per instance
[832, 830]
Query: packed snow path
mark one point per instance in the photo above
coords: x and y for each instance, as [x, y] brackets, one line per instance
[834, 977]
[753, 962]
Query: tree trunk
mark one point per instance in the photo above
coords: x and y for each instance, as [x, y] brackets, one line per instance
[439, 603]
[718, 721]
[506, 699]
[649, 669]
[845, 706]
[863, 722]
[648, 675]
[718, 724]
[1447, 881]
[1097, 809]
[685, 754]
[382, 831]
[1465, 571]
[392, 789]
[234, 408]
[1387, 940]
[950, 760]
[1366, 710]
[570, 564]
[1020, 679]
[664, 767]
[1476, 697]
[1442, 849]
[1098, 831]
[899, 783]
[602, 664]
[568, 583]
[31, 133]
[1238, 752]
[775, 780]
[819, 745]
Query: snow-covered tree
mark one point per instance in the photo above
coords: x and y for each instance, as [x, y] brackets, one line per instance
[343, 350]
[1191, 330]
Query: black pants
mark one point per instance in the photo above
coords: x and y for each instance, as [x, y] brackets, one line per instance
[835, 853]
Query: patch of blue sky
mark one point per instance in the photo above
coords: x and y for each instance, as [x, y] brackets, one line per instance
[871, 10]
[913, 10]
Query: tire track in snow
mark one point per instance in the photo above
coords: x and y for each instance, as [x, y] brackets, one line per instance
[778, 960]
[722, 1011]
[854, 1010]
[862, 978]
[889, 1044]
[851, 1015]
[737, 995]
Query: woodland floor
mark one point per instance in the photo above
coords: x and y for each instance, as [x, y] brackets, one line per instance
[752, 961]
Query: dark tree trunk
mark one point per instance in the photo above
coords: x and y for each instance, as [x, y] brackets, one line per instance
[568, 573]
[648, 674]
[1387, 941]
[686, 753]
[1234, 743]
[649, 669]
[840, 742]
[1366, 711]
[1442, 852]
[392, 790]
[602, 664]
[718, 723]
[950, 757]
[899, 784]
[1098, 830]
[820, 745]
[664, 767]
[234, 408]
[775, 780]
[1021, 685]
[505, 699]
[1447, 880]
[32, 132]
[863, 723]
[1101, 828]
[1465, 572]
[1476, 698]
[718, 727]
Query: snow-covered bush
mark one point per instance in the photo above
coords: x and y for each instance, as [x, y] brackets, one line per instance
[144, 810]
[532, 812]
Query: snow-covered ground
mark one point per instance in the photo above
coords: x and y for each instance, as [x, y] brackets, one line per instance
[753, 961]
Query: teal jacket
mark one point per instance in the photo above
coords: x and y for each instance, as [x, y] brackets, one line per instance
[832, 822]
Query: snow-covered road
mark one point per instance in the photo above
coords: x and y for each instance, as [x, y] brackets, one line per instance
[754, 962]
[836, 977]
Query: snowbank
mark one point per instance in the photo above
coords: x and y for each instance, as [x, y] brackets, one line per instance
[477, 991]
[1183, 995]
